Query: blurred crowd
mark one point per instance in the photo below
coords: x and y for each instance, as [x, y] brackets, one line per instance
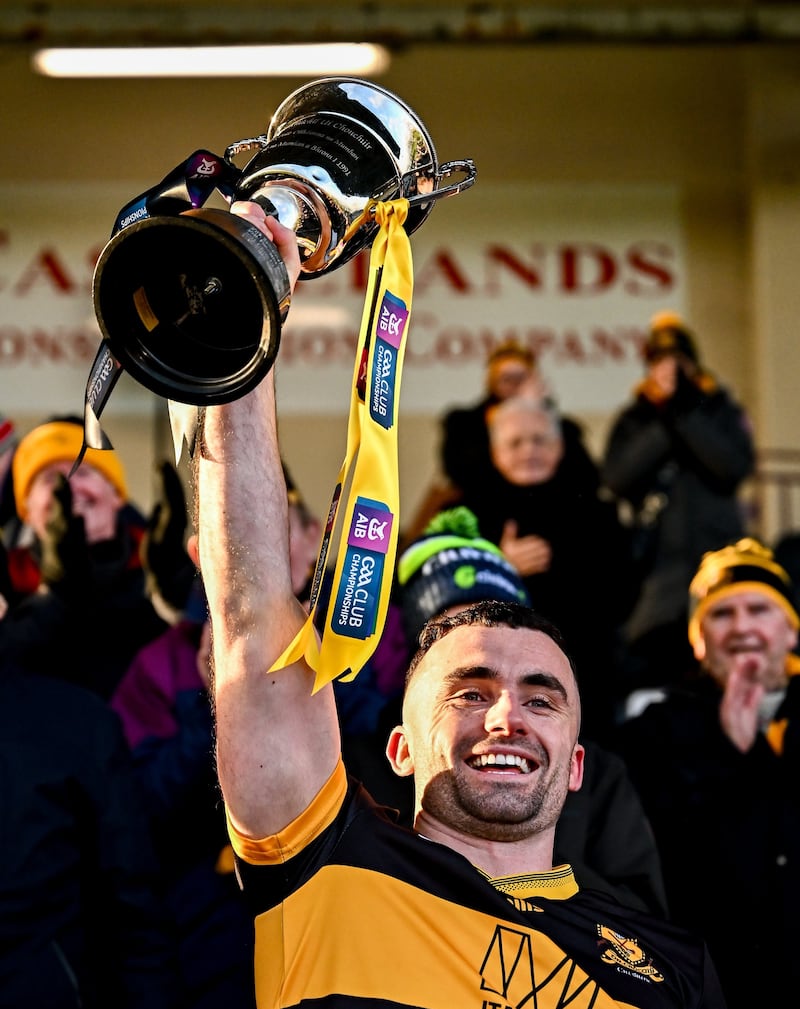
[117, 883]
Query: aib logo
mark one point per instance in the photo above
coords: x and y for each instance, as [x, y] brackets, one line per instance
[370, 527]
[372, 530]
[392, 319]
[391, 323]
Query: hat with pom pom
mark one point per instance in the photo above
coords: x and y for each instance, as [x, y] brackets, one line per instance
[451, 564]
[669, 335]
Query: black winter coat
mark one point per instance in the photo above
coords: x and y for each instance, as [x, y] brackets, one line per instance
[728, 829]
[81, 922]
[687, 457]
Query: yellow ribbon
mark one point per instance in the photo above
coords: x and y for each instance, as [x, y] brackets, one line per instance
[350, 619]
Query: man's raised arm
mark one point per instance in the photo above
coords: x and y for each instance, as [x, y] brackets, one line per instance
[276, 742]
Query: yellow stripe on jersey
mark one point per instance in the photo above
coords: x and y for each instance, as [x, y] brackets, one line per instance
[397, 943]
[301, 832]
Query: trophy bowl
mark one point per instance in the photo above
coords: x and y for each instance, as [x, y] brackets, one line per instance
[333, 146]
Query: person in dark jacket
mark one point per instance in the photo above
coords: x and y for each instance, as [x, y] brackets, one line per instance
[76, 577]
[511, 370]
[82, 925]
[675, 460]
[163, 704]
[465, 463]
[565, 541]
[717, 765]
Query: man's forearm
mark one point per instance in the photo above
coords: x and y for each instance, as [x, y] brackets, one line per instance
[243, 511]
[276, 741]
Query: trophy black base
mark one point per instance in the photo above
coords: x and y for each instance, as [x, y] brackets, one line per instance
[192, 305]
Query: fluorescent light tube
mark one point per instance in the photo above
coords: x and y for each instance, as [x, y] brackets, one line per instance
[359, 58]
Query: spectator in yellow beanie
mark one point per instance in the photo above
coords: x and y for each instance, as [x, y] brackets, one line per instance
[717, 759]
[99, 487]
[78, 583]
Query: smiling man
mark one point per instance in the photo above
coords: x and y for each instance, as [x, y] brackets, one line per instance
[490, 732]
[467, 909]
[717, 764]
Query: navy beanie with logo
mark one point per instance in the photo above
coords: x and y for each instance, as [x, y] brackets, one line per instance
[450, 565]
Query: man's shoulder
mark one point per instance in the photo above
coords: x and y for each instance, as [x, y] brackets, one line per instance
[654, 933]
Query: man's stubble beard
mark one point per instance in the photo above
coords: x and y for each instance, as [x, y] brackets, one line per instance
[496, 814]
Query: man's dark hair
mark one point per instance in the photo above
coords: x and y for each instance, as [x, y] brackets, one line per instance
[486, 613]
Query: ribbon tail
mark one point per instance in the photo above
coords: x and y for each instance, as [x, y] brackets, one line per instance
[103, 376]
[304, 645]
[184, 420]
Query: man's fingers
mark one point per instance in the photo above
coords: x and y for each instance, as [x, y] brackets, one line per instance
[284, 238]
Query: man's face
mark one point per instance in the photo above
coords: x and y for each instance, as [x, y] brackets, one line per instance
[743, 626]
[506, 375]
[94, 498]
[525, 448]
[490, 721]
[663, 369]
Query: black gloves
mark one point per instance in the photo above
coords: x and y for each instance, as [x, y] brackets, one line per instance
[168, 568]
[687, 396]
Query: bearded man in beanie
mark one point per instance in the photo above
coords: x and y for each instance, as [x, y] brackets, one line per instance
[79, 608]
[717, 764]
[675, 459]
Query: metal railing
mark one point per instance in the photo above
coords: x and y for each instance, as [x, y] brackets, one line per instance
[771, 497]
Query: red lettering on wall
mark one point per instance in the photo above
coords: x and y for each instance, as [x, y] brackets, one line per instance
[46, 269]
[12, 345]
[318, 345]
[442, 266]
[616, 345]
[586, 269]
[531, 275]
[38, 346]
[655, 276]
[434, 342]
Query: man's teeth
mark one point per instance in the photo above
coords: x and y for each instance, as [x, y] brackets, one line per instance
[501, 760]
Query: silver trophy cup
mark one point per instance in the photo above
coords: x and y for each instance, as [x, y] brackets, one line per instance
[191, 301]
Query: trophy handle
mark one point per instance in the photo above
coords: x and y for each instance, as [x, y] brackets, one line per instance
[467, 166]
[248, 144]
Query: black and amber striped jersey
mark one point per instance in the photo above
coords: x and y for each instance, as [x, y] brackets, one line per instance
[353, 910]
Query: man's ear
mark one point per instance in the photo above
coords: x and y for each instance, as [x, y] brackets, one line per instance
[399, 753]
[576, 768]
[193, 549]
